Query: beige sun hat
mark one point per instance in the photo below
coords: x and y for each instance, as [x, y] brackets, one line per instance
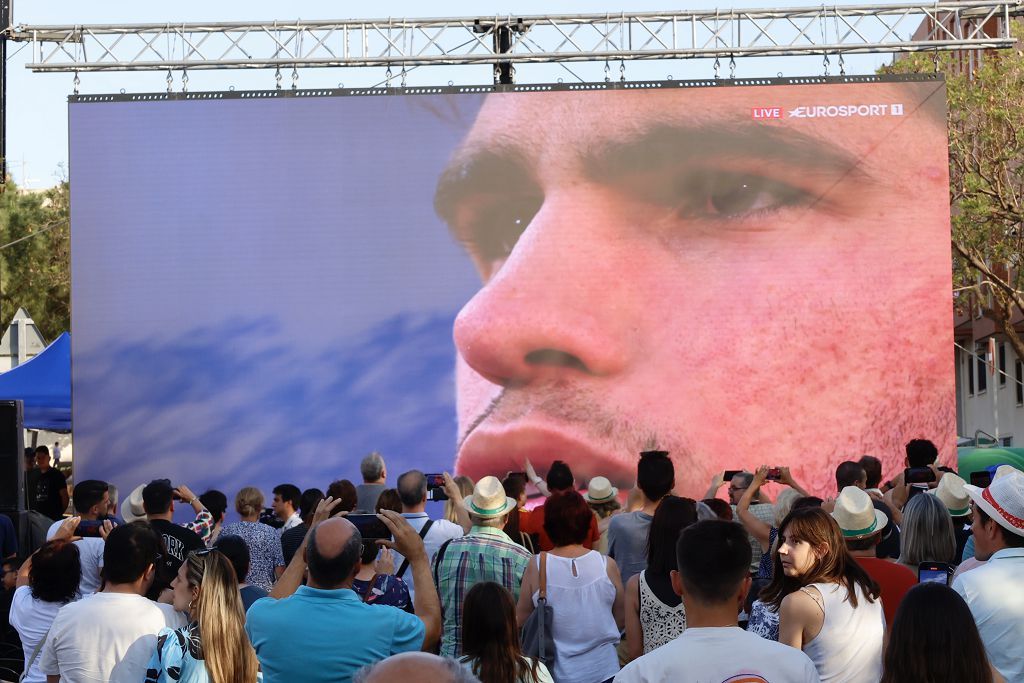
[953, 495]
[133, 509]
[600, 490]
[856, 514]
[488, 499]
[1003, 500]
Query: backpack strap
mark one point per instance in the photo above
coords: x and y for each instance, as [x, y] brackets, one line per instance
[405, 561]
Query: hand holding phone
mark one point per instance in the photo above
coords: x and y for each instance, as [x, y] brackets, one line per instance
[435, 487]
[774, 474]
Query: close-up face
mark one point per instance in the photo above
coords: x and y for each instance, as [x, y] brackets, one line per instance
[661, 270]
[42, 460]
[183, 593]
[797, 555]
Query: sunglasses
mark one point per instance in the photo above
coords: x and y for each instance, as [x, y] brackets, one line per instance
[203, 553]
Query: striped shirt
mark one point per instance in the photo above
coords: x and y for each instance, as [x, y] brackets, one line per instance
[484, 554]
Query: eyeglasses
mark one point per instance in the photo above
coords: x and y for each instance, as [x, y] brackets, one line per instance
[738, 488]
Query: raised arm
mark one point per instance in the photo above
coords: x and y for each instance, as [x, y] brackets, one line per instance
[716, 483]
[291, 579]
[531, 474]
[754, 526]
[455, 495]
[789, 481]
[425, 601]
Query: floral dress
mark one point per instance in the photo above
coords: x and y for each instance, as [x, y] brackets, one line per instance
[178, 657]
[386, 590]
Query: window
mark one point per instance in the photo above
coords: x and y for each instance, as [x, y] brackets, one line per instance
[970, 374]
[1002, 364]
[1018, 371]
[981, 373]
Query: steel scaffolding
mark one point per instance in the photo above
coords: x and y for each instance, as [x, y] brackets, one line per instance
[510, 40]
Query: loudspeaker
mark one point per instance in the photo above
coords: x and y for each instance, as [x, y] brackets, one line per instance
[12, 456]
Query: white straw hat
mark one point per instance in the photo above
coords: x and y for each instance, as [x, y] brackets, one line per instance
[488, 499]
[133, 509]
[856, 514]
[600, 490]
[1003, 500]
[953, 495]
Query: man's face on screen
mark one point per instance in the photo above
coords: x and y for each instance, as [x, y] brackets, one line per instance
[663, 270]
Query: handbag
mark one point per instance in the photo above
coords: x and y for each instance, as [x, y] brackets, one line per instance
[537, 639]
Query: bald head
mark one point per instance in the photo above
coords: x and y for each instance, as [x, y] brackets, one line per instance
[332, 554]
[415, 666]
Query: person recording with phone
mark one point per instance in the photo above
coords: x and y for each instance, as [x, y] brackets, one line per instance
[91, 499]
[340, 633]
[414, 490]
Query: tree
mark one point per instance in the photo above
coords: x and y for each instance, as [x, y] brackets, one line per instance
[35, 251]
[986, 172]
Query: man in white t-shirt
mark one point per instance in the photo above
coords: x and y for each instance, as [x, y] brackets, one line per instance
[91, 499]
[713, 579]
[412, 490]
[111, 635]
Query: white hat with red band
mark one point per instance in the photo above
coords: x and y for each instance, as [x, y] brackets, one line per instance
[1003, 500]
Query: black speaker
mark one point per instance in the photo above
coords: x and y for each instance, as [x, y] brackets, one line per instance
[12, 456]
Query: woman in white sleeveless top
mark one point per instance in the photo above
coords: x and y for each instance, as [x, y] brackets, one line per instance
[654, 613]
[828, 606]
[585, 591]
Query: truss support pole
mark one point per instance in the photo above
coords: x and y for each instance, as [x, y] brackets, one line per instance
[503, 73]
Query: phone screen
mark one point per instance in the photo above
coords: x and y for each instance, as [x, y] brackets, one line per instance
[932, 576]
[370, 526]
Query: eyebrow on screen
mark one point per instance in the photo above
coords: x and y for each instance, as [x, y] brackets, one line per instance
[665, 145]
[495, 169]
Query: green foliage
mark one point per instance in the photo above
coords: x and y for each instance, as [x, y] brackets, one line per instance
[986, 167]
[35, 266]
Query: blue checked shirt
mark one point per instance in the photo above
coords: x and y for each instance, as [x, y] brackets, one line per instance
[484, 554]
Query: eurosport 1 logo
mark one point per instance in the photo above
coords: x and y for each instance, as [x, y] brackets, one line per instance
[832, 111]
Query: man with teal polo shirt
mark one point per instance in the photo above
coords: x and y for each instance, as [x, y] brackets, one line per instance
[486, 553]
[323, 631]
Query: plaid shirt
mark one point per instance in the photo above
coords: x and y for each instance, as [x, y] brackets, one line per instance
[766, 513]
[484, 554]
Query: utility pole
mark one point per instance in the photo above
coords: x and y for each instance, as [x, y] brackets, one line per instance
[5, 30]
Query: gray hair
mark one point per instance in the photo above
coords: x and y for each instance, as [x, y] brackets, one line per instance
[456, 673]
[372, 467]
[493, 522]
[745, 478]
[927, 533]
[112, 490]
[783, 505]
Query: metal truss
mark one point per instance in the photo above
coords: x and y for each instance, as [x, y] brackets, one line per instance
[400, 43]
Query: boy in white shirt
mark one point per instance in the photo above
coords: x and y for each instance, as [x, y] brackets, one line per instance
[713, 579]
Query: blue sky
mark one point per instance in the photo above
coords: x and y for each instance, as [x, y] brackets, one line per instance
[37, 103]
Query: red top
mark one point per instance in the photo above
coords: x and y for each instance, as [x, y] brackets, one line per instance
[533, 523]
[894, 579]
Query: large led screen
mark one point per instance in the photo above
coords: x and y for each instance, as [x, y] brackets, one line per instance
[267, 288]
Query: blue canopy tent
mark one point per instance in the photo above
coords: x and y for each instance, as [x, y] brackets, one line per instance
[43, 383]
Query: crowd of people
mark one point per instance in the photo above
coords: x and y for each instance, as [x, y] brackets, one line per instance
[916, 579]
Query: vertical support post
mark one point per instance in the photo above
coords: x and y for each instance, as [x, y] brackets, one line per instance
[502, 44]
[5, 26]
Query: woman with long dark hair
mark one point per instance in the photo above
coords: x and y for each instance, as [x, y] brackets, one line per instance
[490, 638]
[654, 612]
[828, 606]
[934, 638]
[46, 582]
[214, 647]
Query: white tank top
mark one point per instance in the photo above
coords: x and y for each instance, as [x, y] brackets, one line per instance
[660, 623]
[849, 647]
[583, 626]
